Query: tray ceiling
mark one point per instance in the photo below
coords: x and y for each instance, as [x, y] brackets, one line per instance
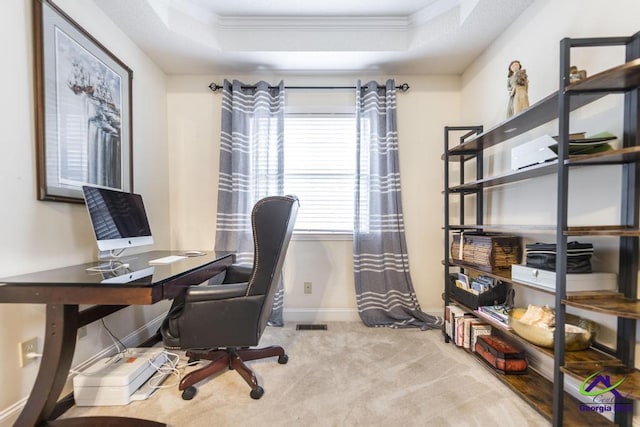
[293, 36]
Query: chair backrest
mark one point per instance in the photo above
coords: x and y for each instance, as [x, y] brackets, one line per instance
[272, 220]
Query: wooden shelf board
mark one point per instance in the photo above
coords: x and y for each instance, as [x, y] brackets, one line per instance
[591, 230]
[505, 227]
[613, 157]
[630, 388]
[537, 391]
[602, 230]
[508, 177]
[623, 77]
[460, 156]
[615, 304]
[537, 114]
[625, 155]
[589, 355]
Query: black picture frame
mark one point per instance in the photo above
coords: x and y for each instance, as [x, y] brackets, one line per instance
[83, 109]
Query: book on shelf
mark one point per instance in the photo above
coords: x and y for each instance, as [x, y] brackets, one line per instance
[477, 330]
[462, 281]
[469, 323]
[460, 328]
[452, 311]
[482, 283]
[497, 314]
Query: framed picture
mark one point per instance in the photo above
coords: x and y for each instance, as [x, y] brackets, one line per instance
[83, 109]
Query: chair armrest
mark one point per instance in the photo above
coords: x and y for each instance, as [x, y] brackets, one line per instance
[237, 274]
[216, 292]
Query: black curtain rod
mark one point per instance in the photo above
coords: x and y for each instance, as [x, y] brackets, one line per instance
[216, 87]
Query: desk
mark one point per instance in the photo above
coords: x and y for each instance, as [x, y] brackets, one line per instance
[64, 289]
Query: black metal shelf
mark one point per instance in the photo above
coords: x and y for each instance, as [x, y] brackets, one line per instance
[625, 79]
[618, 79]
[613, 157]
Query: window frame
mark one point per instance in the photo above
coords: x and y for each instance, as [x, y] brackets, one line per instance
[323, 112]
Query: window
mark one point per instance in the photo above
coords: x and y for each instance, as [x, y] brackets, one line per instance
[319, 168]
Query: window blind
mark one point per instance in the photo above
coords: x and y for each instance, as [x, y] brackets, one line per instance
[320, 161]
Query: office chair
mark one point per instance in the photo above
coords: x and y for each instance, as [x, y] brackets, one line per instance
[228, 318]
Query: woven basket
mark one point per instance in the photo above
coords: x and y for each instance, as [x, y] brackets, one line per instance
[487, 251]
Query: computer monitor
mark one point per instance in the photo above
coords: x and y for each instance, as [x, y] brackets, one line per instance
[119, 219]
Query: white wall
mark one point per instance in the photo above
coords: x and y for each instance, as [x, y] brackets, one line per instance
[40, 235]
[194, 128]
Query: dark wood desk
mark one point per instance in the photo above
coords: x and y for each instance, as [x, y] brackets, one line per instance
[64, 289]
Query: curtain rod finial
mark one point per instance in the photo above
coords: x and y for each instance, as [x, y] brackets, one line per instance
[404, 87]
[215, 87]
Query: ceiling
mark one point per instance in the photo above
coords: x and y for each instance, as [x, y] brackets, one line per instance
[301, 36]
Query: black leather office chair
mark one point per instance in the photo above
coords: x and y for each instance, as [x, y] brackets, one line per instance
[229, 318]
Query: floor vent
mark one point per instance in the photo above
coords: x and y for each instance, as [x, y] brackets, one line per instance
[311, 327]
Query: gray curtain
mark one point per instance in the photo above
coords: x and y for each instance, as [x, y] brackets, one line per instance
[384, 292]
[251, 167]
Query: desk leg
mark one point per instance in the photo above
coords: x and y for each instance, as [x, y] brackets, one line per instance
[59, 345]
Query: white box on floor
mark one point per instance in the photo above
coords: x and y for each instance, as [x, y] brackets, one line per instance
[545, 279]
[112, 381]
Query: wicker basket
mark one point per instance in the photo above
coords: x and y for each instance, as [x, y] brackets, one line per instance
[487, 251]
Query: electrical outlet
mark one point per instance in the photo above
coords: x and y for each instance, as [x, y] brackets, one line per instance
[26, 347]
[307, 287]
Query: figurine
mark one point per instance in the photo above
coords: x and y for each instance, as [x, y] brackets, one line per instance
[518, 88]
[576, 75]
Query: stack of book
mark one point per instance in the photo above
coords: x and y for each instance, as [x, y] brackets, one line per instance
[497, 313]
[463, 327]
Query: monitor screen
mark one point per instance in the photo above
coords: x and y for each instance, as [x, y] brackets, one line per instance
[118, 218]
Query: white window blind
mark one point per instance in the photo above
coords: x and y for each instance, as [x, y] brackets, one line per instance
[319, 168]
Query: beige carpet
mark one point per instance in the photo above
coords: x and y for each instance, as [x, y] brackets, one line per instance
[349, 375]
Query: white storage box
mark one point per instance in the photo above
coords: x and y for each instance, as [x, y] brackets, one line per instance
[545, 279]
[112, 381]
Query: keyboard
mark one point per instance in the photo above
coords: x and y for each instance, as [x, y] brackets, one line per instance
[167, 259]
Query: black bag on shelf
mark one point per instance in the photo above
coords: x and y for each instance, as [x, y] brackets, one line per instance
[543, 256]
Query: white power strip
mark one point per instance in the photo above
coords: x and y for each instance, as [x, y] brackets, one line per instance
[114, 380]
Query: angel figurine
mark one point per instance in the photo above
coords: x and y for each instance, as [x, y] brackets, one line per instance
[518, 88]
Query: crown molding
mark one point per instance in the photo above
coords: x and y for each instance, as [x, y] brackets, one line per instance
[299, 22]
[327, 23]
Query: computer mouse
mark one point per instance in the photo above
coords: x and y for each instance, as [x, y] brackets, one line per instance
[194, 253]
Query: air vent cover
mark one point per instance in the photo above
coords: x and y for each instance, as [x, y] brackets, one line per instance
[311, 327]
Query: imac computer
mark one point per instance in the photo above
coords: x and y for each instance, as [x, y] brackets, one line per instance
[118, 218]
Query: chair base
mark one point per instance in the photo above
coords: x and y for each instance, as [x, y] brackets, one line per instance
[229, 358]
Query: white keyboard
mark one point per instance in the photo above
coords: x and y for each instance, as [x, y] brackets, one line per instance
[167, 259]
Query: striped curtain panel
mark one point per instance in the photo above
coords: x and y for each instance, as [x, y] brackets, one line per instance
[384, 292]
[251, 167]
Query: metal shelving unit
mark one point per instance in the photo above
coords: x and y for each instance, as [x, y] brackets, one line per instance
[559, 407]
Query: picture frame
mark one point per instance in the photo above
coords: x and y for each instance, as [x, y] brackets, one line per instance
[83, 109]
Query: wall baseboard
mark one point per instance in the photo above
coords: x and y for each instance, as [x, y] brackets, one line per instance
[9, 415]
[311, 315]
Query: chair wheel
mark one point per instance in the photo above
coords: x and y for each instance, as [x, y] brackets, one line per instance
[257, 393]
[188, 393]
[283, 359]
